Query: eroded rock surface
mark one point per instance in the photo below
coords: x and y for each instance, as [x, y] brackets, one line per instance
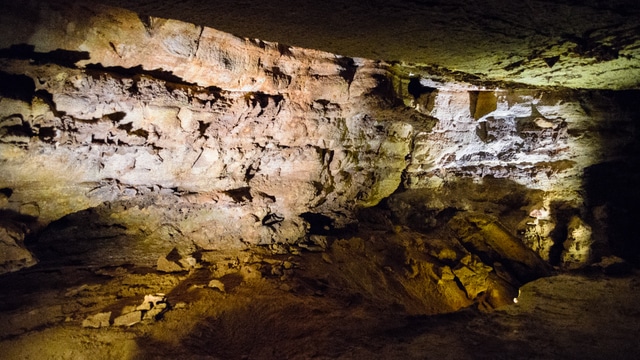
[588, 44]
[190, 135]
[126, 137]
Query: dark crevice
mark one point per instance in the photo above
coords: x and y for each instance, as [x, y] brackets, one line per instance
[18, 87]
[202, 128]
[416, 89]
[47, 98]
[319, 224]
[349, 68]
[239, 195]
[285, 50]
[562, 214]
[66, 58]
[96, 70]
[7, 192]
[272, 219]
[116, 116]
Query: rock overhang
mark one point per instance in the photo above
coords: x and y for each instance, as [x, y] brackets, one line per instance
[580, 45]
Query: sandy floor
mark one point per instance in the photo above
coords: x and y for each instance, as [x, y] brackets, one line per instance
[298, 316]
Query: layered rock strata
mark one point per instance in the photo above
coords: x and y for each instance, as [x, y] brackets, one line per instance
[126, 137]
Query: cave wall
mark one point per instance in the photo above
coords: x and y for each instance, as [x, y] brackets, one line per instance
[550, 163]
[131, 135]
[175, 134]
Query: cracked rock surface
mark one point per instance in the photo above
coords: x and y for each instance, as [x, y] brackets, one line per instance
[579, 44]
[132, 135]
[142, 155]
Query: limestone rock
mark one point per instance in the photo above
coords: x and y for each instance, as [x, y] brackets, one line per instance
[125, 141]
[156, 312]
[176, 262]
[216, 284]
[165, 265]
[128, 319]
[577, 251]
[13, 255]
[487, 238]
[472, 274]
[259, 149]
[150, 301]
[97, 320]
[153, 306]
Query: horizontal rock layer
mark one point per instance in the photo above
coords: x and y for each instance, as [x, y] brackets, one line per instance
[131, 135]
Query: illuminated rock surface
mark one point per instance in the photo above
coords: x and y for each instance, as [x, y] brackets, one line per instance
[142, 155]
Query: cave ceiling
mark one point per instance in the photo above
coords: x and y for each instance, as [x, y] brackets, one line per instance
[578, 44]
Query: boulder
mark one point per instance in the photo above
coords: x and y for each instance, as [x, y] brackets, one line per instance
[13, 254]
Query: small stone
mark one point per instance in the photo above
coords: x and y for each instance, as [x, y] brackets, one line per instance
[287, 265]
[153, 306]
[97, 321]
[216, 284]
[285, 287]
[188, 262]
[167, 266]
[128, 319]
[151, 301]
[326, 258]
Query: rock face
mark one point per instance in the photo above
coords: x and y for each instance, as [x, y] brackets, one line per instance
[13, 255]
[588, 44]
[125, 137]
[191, 136]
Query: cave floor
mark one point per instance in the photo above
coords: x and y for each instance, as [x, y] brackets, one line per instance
[289, 313]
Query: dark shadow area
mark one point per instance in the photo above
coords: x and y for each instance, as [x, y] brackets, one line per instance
[91, 238]
[319, 224]
[416, 89]
[18, 87]
[349, 68]
[66, 58]
[612, 187]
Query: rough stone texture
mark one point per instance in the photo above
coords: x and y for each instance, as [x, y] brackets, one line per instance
[334, 201]
[216, 284]
[97, 320]
[168, 266]
[577, 247]
[247, 145]
[125, 136]
[13, 255]
[128, 319]
[588, 44]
